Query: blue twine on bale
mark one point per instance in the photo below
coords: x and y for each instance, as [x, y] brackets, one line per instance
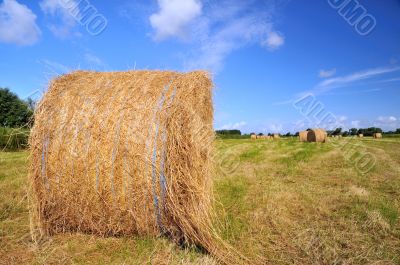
[154, 158]
[163, 180]
[155, 198]
[44, 153]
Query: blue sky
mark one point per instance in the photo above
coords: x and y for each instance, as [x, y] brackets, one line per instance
[264, 55]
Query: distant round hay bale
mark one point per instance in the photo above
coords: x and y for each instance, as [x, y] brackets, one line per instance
[377, 135]
[317, 135]
[276, 136]
[125, 153]
[303, 136]
[360, 135]
[253, 136]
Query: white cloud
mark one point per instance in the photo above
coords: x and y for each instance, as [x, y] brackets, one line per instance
[63, 19]
[387, 122]
[214, 30]
[388, 119]
[18, 24]
[344, 81]
[274, 40]
[357, 76]
[396, 79]
[215, 46]
[229, 26]
[174, 17]
[233, 126]
[327, 73]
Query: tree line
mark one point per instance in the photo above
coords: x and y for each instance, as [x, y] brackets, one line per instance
[14, 112]
[338, 131]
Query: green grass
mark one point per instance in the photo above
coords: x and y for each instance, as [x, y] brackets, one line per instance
[283, 201]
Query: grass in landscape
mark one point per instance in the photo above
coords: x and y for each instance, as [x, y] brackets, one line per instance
[283, 201]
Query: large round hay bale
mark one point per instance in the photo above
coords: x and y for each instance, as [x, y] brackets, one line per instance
[253, 136]
[317, 135]
[303, 136]
[360, 135]
[276, 136]
[125, 153]
[377, 135]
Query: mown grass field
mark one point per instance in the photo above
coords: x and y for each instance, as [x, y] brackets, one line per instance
[284, 201]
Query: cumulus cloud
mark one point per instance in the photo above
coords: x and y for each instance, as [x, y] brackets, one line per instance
[327, 73]
[63, 21]
[173, 17]
[18, 24]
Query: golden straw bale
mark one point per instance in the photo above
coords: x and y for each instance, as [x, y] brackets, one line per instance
[377, 135]
[126, 153]
[303, 136]
[360, 135]
[317, 135]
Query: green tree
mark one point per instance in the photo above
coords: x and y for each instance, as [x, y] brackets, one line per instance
[353, 131]
[337, 131]
[13, 111]
[229, 132]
